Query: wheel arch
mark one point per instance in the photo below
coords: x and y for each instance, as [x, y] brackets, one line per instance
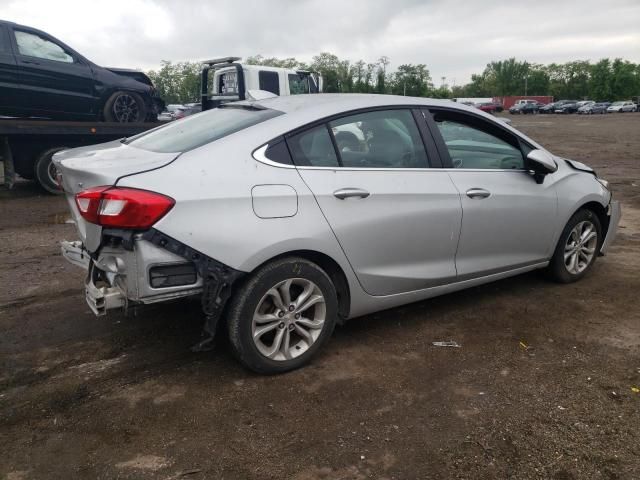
[332, 268]
[600, 211]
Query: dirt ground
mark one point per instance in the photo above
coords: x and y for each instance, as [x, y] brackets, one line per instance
[543, 386]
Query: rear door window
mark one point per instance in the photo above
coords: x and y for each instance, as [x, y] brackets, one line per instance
[269, 81]
[197, 130]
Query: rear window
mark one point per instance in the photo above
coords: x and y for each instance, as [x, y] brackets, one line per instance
[200, 129]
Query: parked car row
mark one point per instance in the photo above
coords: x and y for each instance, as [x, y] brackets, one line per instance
[178, 111]
[574, 106]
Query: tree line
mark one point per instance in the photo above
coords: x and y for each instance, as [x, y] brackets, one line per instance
[606, 79]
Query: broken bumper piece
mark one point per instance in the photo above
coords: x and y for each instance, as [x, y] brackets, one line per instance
[75, 253]
[101, 299]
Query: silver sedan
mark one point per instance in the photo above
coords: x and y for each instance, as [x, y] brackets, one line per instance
[289, 215]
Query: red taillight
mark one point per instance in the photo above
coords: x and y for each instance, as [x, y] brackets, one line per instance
[122, 207]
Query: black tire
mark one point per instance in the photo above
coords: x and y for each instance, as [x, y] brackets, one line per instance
[45, 171]
[557, 268]
[246, 300]
[125, 107]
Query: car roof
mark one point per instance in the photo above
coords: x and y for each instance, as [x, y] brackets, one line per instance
[304, 109]
[14, 24]
[327, 104]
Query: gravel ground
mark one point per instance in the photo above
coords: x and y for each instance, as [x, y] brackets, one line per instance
[543, 386]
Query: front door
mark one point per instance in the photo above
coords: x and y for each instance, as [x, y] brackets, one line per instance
[508, 219]
[54, 81]
[396, 219]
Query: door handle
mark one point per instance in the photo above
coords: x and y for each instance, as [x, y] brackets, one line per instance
[343, 193]
[478, 193]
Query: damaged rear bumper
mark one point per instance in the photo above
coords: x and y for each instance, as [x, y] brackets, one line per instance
[75, 253]
[143, 274]
[143, 268]
[101, 299]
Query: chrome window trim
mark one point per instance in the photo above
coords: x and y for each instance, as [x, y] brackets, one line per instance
[259, 155]
[356, 169]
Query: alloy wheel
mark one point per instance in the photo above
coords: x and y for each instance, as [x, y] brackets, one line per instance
[125, 108]
[580, 247]
[288, 319]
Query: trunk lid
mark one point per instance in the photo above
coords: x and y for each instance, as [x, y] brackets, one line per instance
[98, 165]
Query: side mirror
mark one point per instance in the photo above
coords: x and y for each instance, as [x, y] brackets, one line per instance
[542, 161]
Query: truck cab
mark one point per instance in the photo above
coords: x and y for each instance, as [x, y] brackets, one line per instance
[227, 80]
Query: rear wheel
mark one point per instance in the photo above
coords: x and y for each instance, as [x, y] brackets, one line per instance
[125, 107]
[46, 172]
[282, 315]
[577, 247]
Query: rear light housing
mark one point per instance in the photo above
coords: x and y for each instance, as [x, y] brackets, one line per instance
[120, 207]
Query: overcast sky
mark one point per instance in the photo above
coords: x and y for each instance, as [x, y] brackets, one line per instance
[453, 38]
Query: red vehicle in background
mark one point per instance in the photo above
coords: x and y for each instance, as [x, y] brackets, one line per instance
[489, 107]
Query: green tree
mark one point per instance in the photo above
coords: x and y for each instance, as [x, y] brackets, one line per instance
[605, 80]
[601, 80]
[332, 70]
[507, 77]
[412, 80]
[273, 62]
[177, 83]
[625, 80]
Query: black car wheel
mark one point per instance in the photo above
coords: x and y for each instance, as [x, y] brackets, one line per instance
[125, 107]
[46, 172]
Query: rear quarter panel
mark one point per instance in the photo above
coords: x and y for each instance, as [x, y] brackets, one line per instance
[214, 211]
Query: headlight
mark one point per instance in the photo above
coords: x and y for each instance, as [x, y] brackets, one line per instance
[603, 182]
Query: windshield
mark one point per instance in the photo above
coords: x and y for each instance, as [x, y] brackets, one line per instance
[618, 103]
[200, 129]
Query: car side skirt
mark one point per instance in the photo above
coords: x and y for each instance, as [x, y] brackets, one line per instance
[373, 304]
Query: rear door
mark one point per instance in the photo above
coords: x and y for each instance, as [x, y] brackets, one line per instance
[396, 219]
[53, 78]
[508, 219]
[8, 75]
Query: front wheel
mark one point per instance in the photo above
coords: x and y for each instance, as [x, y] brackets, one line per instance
[282, 315]
[577, 247]
[125, 107]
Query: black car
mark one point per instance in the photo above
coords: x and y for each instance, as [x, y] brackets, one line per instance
[524, 108]
[548, 108]
[42, 77]
[551, 107]
[568, 106]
